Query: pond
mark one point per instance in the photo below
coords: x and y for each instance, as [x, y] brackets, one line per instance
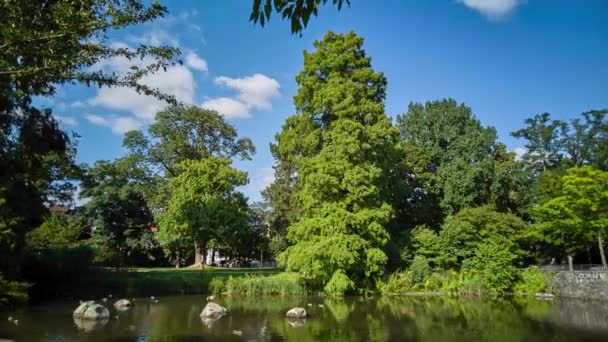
[352, 319]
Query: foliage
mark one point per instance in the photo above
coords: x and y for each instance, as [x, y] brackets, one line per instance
[419, 270]
[57, 263]
[11, 292]
[577, 211]
[181, 133]
[35, 157]
[57, 230]
[284, 284]
[461, 235]
[395, 283]
[204, 204]
[45, 44]
[543, 146]
[456, 161]
[493, 263]
[117, 215]
[277, 245]
[339, 238]
[50, 43]
[298, 12]
[530, 280]
[552, 144]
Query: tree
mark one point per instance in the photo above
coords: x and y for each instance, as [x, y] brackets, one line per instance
[203, 204]
[117, 214]
[578, 211]
[45, 44]
[181, 133]
[187, 133]
[298, 11]
[339, 238]
[544, 148]
[57, 230]
[456, 161]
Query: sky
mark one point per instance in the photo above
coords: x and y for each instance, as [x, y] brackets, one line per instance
[506, 59]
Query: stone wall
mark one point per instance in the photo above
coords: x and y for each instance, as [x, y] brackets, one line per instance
[581, 284]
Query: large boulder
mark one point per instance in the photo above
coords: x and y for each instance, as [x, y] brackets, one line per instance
[123, 304]
[298, 313]
[213, 310]
[91, 310]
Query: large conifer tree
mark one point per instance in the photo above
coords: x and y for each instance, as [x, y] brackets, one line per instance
[341, 172]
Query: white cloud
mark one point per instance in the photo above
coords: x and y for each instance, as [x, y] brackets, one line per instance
[78, 104]
[228, 107]
[96, 119]
[519, 152]
[177, 81]
[493, 9]
[255, 92]
[66, 120]
[117, 124]
[195, 62]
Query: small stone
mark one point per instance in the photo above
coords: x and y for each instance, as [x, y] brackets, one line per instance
[296, 313]
[213, 310]
[123, 304]
[237, 332]
[91, 310]
[211, 298]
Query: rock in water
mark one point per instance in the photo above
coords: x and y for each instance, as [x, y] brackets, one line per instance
[213, 310]
[123, 304]
[91, 310]
[296, 313]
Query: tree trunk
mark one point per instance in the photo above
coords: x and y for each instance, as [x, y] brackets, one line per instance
[600, 244]
[570, 266]
[199, 254]
[212, 255]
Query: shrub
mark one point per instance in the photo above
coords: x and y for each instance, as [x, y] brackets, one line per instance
[529, 281]
[493, 265]
[57, 230]
[419, 270]
[339, 284]
[58, 262]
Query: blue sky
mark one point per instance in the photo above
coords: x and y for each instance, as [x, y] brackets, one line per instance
[507, 59]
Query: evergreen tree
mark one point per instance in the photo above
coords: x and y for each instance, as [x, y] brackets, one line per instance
[342, 188]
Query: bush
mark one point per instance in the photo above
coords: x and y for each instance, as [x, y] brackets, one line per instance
[530, 281]
[63, 262]
[55, 269]
[419, 270]
[57, 230]
[11, 292]
[493, 265]
[339, 284]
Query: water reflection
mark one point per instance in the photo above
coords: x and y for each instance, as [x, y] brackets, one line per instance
[352, 319]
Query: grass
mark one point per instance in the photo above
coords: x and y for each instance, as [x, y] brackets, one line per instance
[140, 282]
[284, 284]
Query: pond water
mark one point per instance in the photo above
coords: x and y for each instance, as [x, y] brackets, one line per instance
[352, 319]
